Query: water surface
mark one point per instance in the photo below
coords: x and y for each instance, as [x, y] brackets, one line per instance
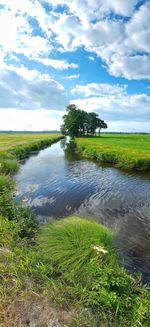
[56, 184]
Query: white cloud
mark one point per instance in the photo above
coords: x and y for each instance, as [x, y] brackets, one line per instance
[16, 32]
[29, 89]
[72, 76]
[112, 102]
[91, 58]
[95, 89]
[58, 64]
[27, 9]
[124, 45]
[33, 120]
[91, 24]
[97, 8]
[131, 67]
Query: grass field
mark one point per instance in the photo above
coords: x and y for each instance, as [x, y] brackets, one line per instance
[131, 151]
[17, 146]
[10, 141]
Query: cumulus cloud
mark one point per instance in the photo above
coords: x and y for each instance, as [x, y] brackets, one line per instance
[97, 8]
[27, 9]
[93, 89]
[29, 89]
[123, 44]
[112, 102]
[116, 31]
[57, 64]
[69, 77]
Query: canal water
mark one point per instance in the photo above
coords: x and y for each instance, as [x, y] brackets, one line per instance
[57, 183]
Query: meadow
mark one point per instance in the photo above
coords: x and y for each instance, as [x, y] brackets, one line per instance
[129, 151]
[14, 147]
[10, 141]
[66, 273]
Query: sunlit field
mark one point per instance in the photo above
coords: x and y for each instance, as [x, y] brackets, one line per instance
[130, 151]
[9, 141]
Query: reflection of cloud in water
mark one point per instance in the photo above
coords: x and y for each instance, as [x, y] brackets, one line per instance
[29, 188]
[24, 200]
[40, 201]
[105, 208]
[32, 188]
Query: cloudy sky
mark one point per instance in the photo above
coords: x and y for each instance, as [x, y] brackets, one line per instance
[93, 53]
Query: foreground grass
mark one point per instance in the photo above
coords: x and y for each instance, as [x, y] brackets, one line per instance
[73, 272]
[129, 151]
[66, 273]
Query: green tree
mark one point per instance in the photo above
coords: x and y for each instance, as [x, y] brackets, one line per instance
[78, 122]
[92, 123]
[101, 124]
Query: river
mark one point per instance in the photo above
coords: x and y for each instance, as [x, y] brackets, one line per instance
[56, 184]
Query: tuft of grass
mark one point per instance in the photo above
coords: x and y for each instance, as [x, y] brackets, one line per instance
[127, 151]
[71, 243]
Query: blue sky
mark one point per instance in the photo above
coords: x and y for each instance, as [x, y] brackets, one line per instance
[93, 53]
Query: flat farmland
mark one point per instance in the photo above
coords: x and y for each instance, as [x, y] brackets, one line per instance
[131, 151]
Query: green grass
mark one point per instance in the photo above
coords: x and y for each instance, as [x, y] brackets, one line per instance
[74, 265]
[17, 146]
[130, 151]
[70, 243]
[10, 141]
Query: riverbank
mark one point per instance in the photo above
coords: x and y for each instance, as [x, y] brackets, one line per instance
[128, 151]
[69, 275]
[66, 273]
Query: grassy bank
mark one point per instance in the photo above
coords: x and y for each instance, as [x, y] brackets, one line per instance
[129, 151]
[66, 273]
[14, 147]
[71, 276]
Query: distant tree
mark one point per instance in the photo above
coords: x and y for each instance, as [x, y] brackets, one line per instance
[92, 123]
[101, 124]
[78, 122]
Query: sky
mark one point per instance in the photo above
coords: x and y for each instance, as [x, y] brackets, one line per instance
[93, 53]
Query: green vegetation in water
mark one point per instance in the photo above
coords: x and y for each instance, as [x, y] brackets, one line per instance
[65, 273]
[129, 151]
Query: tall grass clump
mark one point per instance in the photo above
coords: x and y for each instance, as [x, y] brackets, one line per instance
[71, 243]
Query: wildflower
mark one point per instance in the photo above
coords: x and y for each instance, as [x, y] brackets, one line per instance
[99, 249]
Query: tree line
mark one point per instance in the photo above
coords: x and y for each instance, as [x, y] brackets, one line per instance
[78, 122]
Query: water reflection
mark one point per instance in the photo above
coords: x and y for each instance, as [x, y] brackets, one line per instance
[57, 183]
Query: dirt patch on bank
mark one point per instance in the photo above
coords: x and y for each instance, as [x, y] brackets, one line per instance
[33, 310]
